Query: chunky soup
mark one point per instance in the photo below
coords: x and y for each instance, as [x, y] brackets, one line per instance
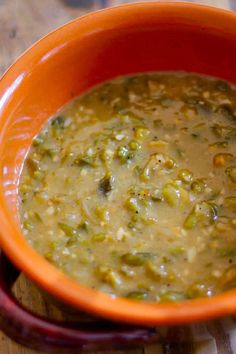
[131, 189]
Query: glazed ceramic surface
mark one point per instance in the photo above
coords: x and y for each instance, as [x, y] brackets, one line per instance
[124, 40]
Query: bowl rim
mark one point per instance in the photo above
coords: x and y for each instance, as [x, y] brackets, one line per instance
[49, 277]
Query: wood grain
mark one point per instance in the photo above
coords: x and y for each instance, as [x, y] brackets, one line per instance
[23, 22]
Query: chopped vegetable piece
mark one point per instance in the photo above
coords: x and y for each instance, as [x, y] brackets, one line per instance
[106, 155]
[228, 279]
[103, 214]
[191, 221]
[132, 204]
[175, 195]
[141, 133]
[153, 271]
[27, 225]
[198, 290]
[198, 186]
[219, 144]
[85, 160]
[136, 259]
[172, 296]
[67, 229]
[185, 176]
[106, 184]
[171, 194]
[177, 250]
[107, 275]
[32, 165]
[195, 136]
[137, 295]
[39, 140]
[157, 161]
[124, 154]
[156, 195]
[134, 145]
[203, 212]
[83, 226]
[99, 237]
[58, 122]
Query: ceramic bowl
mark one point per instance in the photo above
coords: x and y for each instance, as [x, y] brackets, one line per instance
[155, 36]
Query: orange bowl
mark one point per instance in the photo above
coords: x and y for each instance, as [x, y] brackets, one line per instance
[97, 47]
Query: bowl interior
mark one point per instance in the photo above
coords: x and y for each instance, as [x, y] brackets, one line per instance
[95, 48]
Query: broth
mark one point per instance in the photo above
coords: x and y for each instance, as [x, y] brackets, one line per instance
[131, 188]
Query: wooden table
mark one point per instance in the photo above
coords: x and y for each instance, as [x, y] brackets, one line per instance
[22, 22]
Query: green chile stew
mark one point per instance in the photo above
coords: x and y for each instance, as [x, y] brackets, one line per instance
[131, 188]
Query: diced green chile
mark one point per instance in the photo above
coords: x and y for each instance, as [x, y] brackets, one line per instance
[222, 86]
[172, 296]
[68, 230]
[58, 122]
[156, 195]
[185, 176]
[203, 212]
[137, 295]
[228, 278]
[108, 275]
[124, 154]
[134, 145]
[198, 290]
[198, 186]
[136, 259]
[133, 204]
[106, 184]
[157, 161]
[85, 160]
[171, 194]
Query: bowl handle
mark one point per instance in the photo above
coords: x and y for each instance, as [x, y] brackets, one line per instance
[38, 333]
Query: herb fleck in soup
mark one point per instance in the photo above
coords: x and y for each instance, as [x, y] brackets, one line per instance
[131, 189]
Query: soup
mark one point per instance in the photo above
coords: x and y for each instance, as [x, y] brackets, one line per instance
[131, 188]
